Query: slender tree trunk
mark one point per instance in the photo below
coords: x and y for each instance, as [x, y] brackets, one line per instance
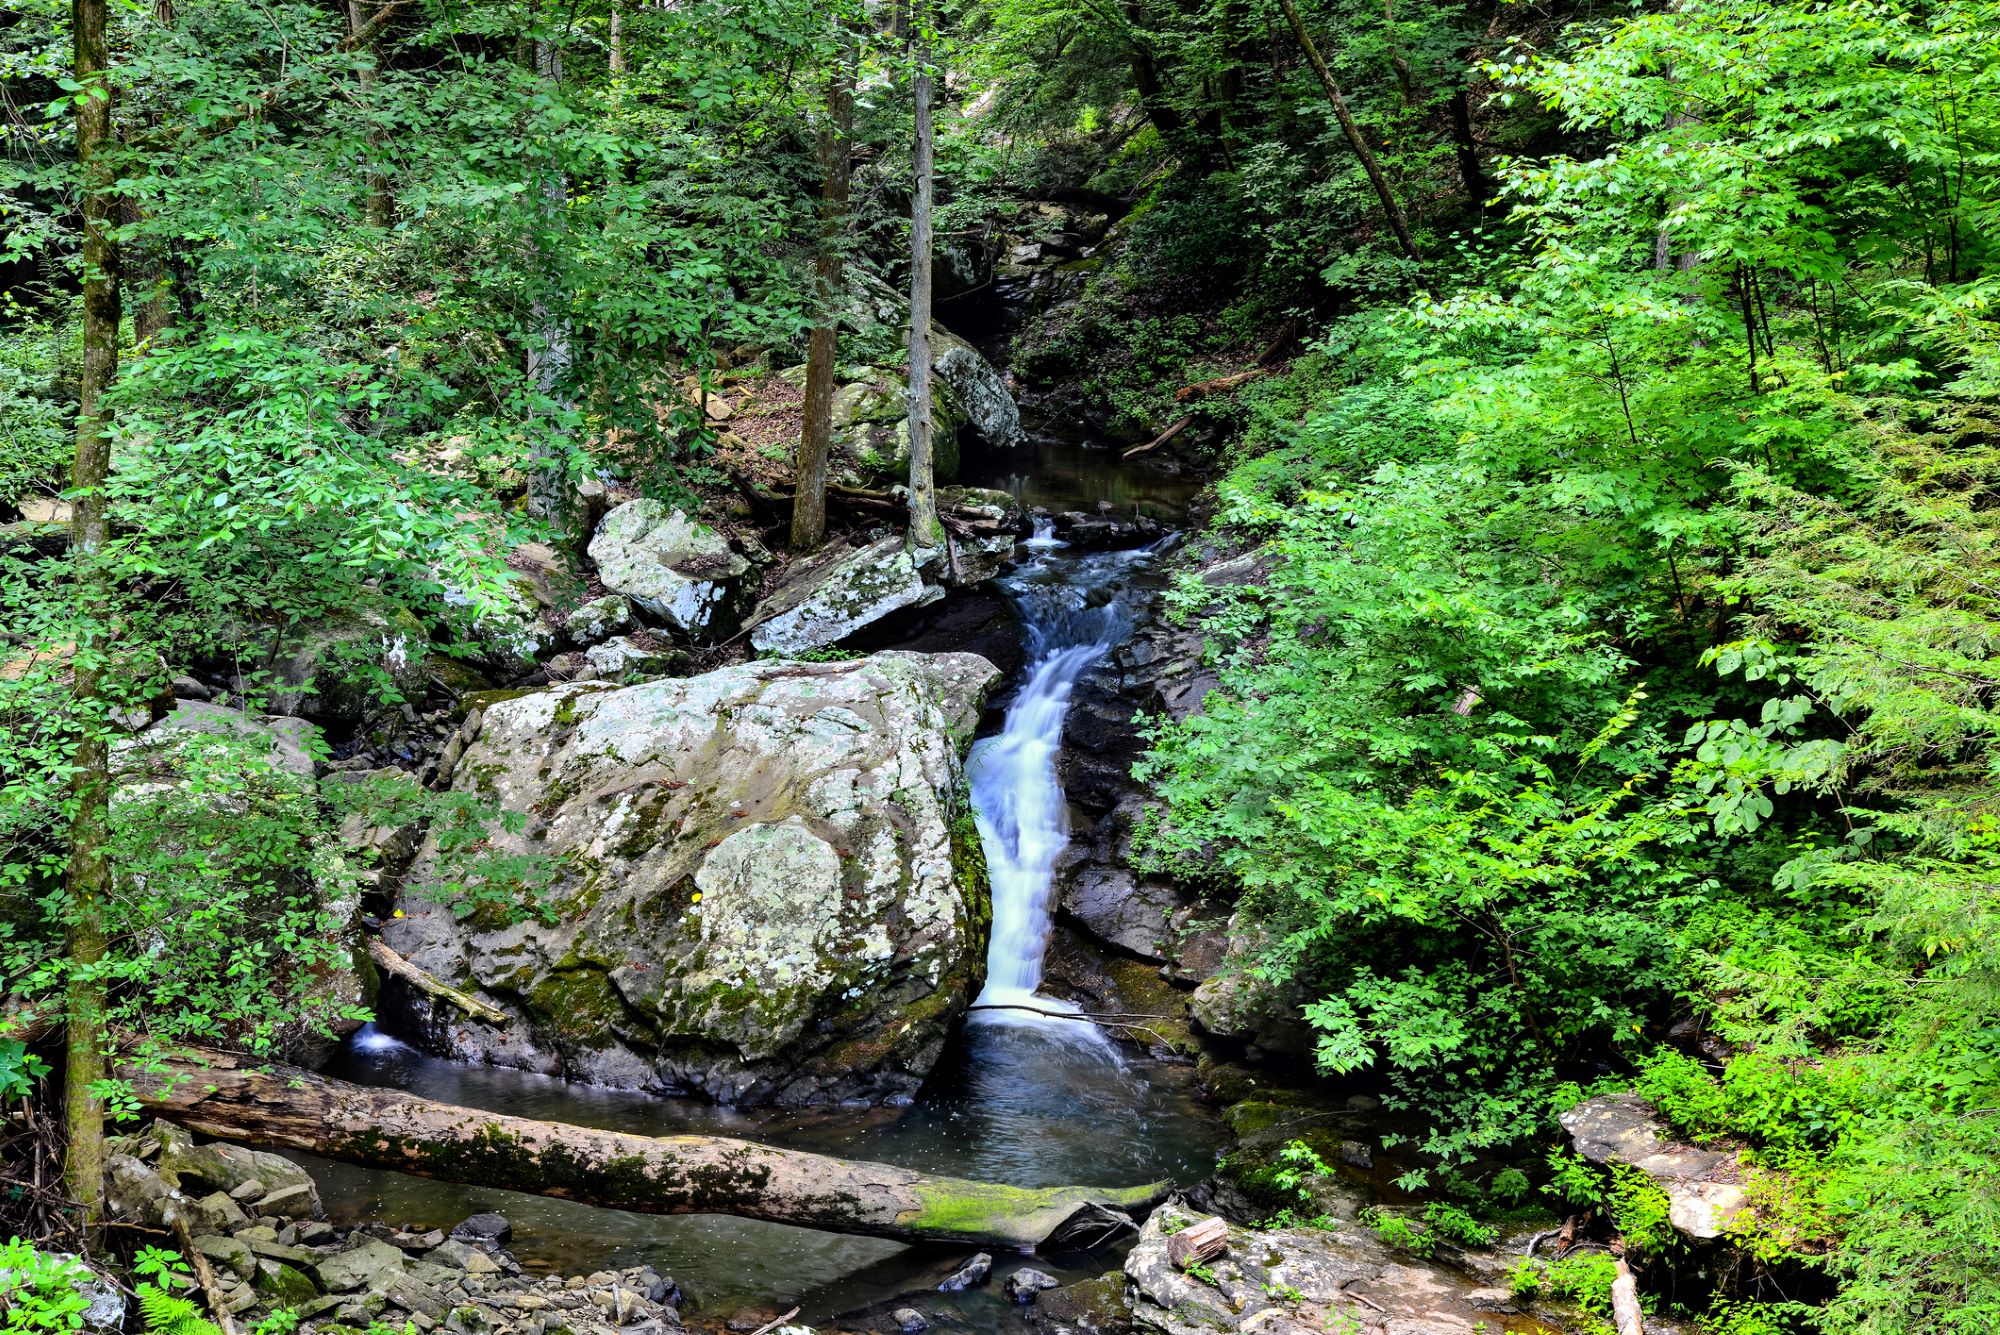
[926, 533]
[221, 1095]
[549, 361]
[616, 37]
[1467, 151]
[1166, 117]
[367, 38]
[1398, 223]
[89, 874]
[829, 268]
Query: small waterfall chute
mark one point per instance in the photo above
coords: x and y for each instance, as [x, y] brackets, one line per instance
[1075, 610]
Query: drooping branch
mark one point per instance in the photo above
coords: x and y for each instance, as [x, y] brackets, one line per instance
[390, 962]
[220, 1094]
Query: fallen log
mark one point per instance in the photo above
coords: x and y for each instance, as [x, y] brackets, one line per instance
[221, 1094]
[1160, 439]
[390, 962]
[1222, 384]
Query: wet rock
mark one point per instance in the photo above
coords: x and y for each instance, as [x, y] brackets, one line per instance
[1357, 1154]
[827, 599]
[973, 1273]
[1024, 1284]
[487, 1227]
[909, 1319]
[807, 934]
[1094, 1307]
[675, 569]
[1704, 1187]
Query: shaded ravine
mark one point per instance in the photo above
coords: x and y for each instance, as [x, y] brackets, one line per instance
[1025, 1104]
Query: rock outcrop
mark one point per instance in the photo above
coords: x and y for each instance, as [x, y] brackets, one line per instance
[1306, 1281]
[1704, 1187]
[675, 569]
[270, 1252]
[765, 888]
[980, 392]
[825, 600]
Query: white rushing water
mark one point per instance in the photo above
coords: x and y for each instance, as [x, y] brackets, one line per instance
[1075, 609]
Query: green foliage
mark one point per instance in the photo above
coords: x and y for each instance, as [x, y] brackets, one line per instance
[39, 1291]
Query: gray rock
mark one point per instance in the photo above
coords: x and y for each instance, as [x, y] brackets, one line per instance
[1356, 1154]
[215, 1213]
[297, 1201]
[246, 1191]
[617, 657]
[979, 389]
[367, 1263]
[909, 1319]
[1120, 909]
[1025, 1283]
[228, 1253]
[173, 742]
[784, 832]
[486, 1226]
[1704, 1187]
[677, 570]
[599, 619]
[825, 600]
[974, 1272]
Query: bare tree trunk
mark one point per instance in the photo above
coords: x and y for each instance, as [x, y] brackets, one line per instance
[222, 1095]
[1398, 223]
[1467, 151]
[926, 533]
[549, 361]
[616, 37]
[381, 199]
[829, 268]
[89, 874]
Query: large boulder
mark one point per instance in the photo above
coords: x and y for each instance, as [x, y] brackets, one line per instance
[766, 889]
[827, 599]
[978, 389]
[1704, 1187]
[677, 570]
[345, 666]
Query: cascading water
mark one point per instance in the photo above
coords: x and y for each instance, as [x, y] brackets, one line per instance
[1075, 610]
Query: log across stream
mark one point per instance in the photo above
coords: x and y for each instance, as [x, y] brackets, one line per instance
[286, 1108]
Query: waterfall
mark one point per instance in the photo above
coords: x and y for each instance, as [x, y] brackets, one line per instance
[1075, 610]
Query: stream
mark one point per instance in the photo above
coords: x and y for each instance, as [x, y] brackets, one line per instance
[1019, 1097]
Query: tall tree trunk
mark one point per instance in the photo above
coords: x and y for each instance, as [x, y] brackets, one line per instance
[1166, 117]
[836, 164]
[89, 874]
[549, 361]
[1469, 170]
[1398, 223]
[221, 1095]
[615, 38]
[926, 533]
[367, 37]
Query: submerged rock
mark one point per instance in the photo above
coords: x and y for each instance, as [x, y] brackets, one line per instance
[681, 572]
[763, 893]
[825, 600]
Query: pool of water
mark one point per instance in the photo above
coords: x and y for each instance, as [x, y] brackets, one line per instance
[1014, 1105]
[1061, 467]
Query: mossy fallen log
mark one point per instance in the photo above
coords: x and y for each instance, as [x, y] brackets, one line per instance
[223, 1095]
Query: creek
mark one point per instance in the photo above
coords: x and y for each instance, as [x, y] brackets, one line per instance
[1017, 1098]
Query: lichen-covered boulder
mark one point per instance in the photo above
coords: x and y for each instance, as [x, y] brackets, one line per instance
[977, 388]
[767, 890]
[679, 571]
[346, 666]
[823, 601]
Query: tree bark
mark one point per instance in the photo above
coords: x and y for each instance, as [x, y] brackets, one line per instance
[381, 199]
[1398, 223]
[816, 437]
[549, 362]
[926, 533]
[616, 37]
[1467, 151]
[88, 878]
[219, 1094]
